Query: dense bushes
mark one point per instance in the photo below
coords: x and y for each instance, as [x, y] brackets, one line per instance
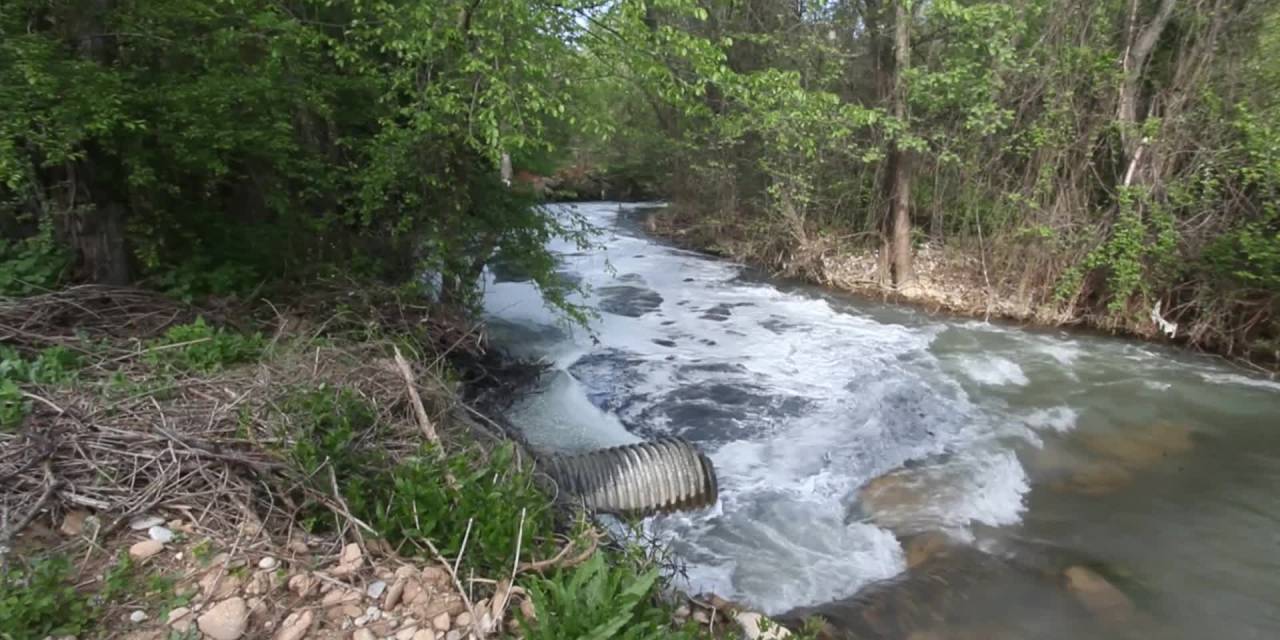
[209, 147]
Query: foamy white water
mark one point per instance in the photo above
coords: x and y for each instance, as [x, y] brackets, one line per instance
[800, 399]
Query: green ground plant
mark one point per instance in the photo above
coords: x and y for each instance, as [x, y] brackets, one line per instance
[469, 494]
[600, 599]
[198, 347]
[38, 600]
[54, 365]
[442, 497]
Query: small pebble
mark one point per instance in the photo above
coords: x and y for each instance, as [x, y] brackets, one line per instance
[146, 522]
[160, 534]
[463, 620]
[145, 549]
[267, 563]
[137, 616]
[376, 588]
[441, 622]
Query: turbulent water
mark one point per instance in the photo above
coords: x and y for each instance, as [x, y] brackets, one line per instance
[801, 398]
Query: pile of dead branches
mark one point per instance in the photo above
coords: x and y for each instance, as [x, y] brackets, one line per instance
[126, 439]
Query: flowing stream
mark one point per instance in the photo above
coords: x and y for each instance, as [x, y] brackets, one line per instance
[1157, 469]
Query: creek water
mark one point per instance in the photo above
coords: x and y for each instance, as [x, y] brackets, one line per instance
[1157, 469]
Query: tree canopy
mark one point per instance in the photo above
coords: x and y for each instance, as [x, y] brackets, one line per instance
[1106, 156]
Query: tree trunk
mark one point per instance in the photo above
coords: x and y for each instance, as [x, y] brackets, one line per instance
[97, 233]
[98, 238]
[1138, 50]
[900, 162]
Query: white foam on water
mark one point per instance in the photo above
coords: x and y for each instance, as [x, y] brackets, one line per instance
[993, 371]
[561, 418]
[1060, 419]
[1065, 352]
[867, 396]
[1237, 379]
[984, 487]
[776, 550]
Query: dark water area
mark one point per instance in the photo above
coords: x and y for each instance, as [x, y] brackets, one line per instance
[914, 474]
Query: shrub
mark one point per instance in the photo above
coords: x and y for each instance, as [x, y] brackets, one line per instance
[334, 429]
[424, 496]
[13, 406]
[31, 265]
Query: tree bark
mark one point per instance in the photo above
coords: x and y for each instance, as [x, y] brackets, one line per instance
[98, 237]
[97, 234]
[900, 162]
[1141, 43]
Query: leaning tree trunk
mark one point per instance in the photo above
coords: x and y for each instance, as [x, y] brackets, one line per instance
[1138, 50]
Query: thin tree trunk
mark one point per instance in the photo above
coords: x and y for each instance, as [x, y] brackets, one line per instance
[1141, 43]
[900, 177]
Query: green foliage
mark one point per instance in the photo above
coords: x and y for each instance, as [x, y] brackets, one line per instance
[334, 428]
[39, 600]
[1136, 256]
[1249, 255]
[13, 405]
[198, 347]
[599, 600]
[31, 265]
[263, 140]
[442, 497]
[54, 365]
[334, 431]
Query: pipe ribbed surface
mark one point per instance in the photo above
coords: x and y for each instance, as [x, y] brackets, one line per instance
[637, 479]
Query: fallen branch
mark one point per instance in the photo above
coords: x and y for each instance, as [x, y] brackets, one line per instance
[419, 411]
[50, 484]
[559, 560]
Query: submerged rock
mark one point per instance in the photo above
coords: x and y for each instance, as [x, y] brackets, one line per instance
[1098, 595]
[953, 591]
[1142, 447]
[1095, 479]
[922, 548]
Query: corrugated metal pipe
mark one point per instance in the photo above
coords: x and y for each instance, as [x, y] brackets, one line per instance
[637, 479]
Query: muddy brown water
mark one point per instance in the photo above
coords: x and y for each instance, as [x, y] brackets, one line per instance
[1073, 486]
